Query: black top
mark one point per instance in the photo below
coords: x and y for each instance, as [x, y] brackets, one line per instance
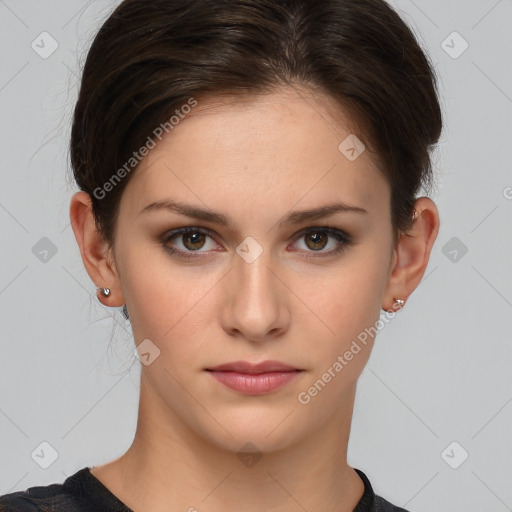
[83, 492]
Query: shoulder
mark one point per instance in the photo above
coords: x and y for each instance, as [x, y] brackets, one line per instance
[370, 502]
[49, 498]
[382, 505]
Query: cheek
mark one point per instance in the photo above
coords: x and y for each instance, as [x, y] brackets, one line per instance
[348, 302]
[167, 302]
[350, 296]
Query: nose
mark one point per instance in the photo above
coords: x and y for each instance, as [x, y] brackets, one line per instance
[255, 305]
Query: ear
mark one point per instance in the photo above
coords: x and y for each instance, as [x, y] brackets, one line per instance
[412, 253]
[96, 254]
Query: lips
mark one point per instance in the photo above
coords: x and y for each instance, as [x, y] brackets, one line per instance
[254, 379]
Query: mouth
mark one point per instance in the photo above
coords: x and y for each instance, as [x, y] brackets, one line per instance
[253, 369]
[254, 379]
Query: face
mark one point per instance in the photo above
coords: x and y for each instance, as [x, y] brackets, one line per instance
[260, 281]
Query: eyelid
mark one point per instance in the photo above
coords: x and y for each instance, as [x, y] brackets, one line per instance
[331, 230]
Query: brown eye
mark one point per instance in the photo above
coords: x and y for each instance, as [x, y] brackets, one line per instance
[189, 242]
[322, 241]
[316, 240]
[193, 241]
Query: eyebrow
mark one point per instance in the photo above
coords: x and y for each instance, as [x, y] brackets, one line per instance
[295, 217]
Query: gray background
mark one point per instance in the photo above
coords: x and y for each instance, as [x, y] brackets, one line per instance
[440, 371]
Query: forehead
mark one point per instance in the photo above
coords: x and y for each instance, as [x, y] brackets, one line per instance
[259, 153]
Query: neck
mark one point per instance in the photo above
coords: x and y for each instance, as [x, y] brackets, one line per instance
[169, 467]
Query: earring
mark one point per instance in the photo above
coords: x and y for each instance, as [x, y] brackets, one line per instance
[104, 291]
[399, 303]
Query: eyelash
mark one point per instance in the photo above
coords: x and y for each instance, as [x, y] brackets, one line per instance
[344, 239]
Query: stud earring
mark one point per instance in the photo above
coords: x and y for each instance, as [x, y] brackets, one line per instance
[399, 302]
[104, 291]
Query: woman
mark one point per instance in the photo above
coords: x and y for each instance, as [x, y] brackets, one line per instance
[248, 174]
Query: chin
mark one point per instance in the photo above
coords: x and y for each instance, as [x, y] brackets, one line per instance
[264, 431]
[255, 441]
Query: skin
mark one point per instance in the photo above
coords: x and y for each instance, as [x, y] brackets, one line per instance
[254, 161]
